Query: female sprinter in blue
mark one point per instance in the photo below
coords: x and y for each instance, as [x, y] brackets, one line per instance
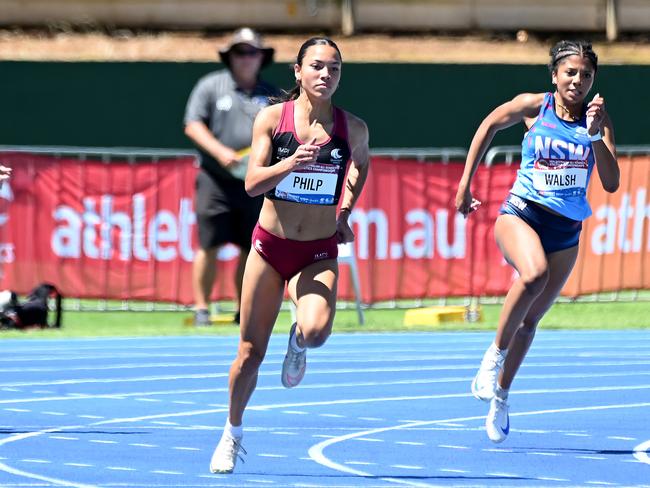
[540, 221]
[301, 151]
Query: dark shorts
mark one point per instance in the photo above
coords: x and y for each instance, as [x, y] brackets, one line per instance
[289, 257]
[555, 231]
[224, 212]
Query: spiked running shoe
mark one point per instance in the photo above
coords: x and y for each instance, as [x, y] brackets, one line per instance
[295, 363]
[497, 423]
[226, 453]
[485, 382]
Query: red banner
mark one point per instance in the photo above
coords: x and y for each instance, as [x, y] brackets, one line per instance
[123, 230]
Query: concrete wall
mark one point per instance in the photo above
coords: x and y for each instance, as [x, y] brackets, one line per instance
[407, 15]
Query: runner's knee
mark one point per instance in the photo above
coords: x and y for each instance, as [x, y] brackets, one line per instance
[249, 358]
[315, 336]
[535, 278]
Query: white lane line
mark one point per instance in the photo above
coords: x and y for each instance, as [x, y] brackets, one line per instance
[405, 466]
[368, 439]
[139, 444]
[450, 470]
[63, 438]
[281, 432]
[57, 414]
[262, 407]
[295, 412]
[410, 443]
[575, 434]
[552, 454]
[160, 471]
[597, 458]
[549, 478]
[120, 468]
[272, 455]
[448, 446]
[315, 386]
[600, 483]
[333, 415]
[641, 452]
[180, 448]
[78, 465]
[38, 461]
[102, 441]
[316, 451]
[621, 438]
[372, 419]
[497, 449]
[17, 410]
[343, 348]
[90, 417]
[360, 463]
[384, 369]
[257, 480]
[503, 475]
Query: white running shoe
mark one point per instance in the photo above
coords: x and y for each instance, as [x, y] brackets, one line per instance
[295, 363]
[226, 453]
[497, 423]
[485, 382]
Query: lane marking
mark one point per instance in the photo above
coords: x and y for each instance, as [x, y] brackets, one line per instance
[46, 479]
[641, 452]
[387, 369]
[316, 452]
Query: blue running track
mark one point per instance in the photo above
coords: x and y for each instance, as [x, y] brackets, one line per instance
[375, 410]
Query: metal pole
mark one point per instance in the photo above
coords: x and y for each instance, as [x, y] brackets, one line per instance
[611, 20]
[347, 17]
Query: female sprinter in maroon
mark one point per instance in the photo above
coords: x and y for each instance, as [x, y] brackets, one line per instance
[302, 150]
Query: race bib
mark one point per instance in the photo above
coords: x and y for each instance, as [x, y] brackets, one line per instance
[560, 177]
[315, 184]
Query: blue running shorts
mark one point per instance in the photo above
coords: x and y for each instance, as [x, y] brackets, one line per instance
[555, 231]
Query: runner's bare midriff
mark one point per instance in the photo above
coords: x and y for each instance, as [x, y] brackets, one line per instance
[297, 221]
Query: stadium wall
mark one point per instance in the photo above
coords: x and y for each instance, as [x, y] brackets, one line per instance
[111, 104]
[405, 15]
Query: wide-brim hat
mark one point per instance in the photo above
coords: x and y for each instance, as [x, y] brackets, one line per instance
[247, 36]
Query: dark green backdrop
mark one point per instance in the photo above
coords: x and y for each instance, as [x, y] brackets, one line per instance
[405, 105]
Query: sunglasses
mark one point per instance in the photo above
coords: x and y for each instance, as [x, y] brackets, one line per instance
[242, 51]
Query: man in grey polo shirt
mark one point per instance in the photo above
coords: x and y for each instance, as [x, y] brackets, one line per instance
[219, 120]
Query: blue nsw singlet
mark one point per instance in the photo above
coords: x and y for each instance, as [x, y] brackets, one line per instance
[321, 182]
[556, 163]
